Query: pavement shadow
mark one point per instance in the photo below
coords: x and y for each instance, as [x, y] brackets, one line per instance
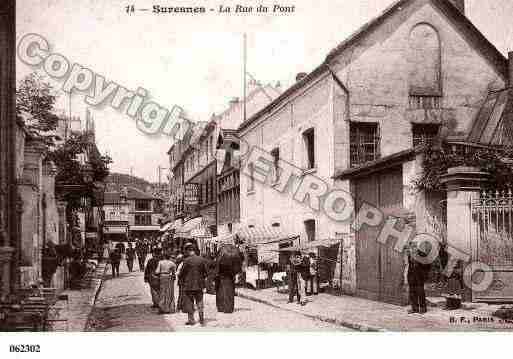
[127, 317]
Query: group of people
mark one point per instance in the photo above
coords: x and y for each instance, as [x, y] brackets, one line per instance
[192, 272]
[302, 276]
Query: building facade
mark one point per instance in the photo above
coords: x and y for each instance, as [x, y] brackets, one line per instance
[418, 71]
[197, 163]
[115, 213]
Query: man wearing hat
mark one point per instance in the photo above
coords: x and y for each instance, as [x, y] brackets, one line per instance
[192, 277]
[151, 278]
[417, 275]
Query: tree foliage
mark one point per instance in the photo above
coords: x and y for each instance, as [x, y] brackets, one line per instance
[498, 162]
[37, 97]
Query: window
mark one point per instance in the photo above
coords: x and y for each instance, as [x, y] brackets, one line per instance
[143, 219]
[310, 230]
[425, 59]
[364, 139]
[424, 133]
[142, 205]
[309, 139]
[251, 183]
[276, 160]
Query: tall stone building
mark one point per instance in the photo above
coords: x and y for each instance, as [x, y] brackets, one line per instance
[419, 70]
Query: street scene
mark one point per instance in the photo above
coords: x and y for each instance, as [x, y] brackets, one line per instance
[238, 172]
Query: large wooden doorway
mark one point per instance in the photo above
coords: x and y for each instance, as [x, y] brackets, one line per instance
[379, 268]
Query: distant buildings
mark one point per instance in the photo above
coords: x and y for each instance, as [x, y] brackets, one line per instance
[202, 206]
[131, 214]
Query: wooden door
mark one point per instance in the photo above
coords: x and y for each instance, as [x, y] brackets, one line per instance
[367, 250]
[379, 267]
[391, 261]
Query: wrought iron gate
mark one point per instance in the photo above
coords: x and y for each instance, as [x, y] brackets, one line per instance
[492, 216]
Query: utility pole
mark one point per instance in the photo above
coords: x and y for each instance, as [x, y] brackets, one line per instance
[244, 59]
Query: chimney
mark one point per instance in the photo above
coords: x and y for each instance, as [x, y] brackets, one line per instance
[300, 76]
[460, 5]
[510, 68]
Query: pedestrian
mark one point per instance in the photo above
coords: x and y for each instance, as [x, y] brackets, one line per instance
[294, 278]
[141, 250]
[130, 256]
[211, 273]
[115, 259]
[152, 279]
[166, 271]
[228, 264]
[417, 274]
[312, 284]
[193, 274]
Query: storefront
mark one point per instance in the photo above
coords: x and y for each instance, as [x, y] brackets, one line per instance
[261, 246]
[115, 233]
[141, 232]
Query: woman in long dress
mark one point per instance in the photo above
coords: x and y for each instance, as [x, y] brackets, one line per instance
[229, 263]
[166, 270]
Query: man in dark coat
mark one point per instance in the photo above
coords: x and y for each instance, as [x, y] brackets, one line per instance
[417, 275]
[115, 259]
[192, 276]
[142, 251]
[296, 272]
[130, 256]
[151, 279]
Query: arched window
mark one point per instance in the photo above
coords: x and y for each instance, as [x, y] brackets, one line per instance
[425, 59]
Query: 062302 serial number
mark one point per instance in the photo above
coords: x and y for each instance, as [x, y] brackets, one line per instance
[24, 348]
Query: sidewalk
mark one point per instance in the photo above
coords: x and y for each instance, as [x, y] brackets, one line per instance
[73, 315]
[366, 315]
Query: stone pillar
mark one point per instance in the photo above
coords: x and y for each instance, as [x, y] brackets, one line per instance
[463, 185]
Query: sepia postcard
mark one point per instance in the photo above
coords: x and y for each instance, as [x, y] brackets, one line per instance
[239, 166]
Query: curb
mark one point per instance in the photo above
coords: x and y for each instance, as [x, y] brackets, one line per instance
[98, 285]
[340, 322]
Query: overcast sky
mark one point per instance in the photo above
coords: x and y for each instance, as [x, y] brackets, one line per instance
[196, 61]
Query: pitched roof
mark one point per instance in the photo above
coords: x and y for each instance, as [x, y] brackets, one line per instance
[446, 6]
[493, 124]
[135, 193]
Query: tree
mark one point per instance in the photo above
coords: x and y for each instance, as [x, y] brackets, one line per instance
[37, 97]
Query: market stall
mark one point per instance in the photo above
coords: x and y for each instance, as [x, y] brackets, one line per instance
[260, 246]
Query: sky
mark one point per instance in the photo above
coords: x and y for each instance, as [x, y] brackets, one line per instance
[194, 61]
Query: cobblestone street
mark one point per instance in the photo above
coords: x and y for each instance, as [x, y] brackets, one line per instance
[124, 304]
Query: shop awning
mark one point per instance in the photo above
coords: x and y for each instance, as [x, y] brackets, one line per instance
[226, 239]
[144, 228]
[263, 235]
[185, 230]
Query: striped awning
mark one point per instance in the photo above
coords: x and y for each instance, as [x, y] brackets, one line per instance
[259, 235]
[189, 226]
